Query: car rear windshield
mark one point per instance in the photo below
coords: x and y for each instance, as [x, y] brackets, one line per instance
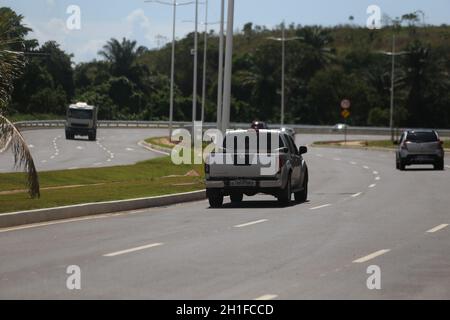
[419, 137]
[241, 142]
[80, 114]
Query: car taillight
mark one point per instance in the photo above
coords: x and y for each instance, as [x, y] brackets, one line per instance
[405, 145]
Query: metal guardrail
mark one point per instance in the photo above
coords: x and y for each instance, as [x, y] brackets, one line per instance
[49, 124]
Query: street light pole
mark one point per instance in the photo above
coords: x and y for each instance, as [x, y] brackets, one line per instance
[194, 91]
[391, 118]
[228, 68]
[174, 4]
[283, 64]
[172, 70]
[220, 80]
[283, 41]
[205, 62]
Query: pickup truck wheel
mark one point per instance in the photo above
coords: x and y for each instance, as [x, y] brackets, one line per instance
[302, 196]
[215, 199]
[236, 197]
[439, 165]
[285, 194]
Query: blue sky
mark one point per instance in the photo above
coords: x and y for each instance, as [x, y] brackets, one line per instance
[148, 22]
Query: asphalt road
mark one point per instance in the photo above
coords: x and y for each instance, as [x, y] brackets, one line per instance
[361, 213]
[51, 151]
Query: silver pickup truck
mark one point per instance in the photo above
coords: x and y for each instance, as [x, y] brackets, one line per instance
[257, 161]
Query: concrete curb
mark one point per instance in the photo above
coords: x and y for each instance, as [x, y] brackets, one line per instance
[359, 148]
[14, 219]
[155, 148]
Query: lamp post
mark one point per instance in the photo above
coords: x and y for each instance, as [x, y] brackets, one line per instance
[220, 72]
[174, 4]
[228, 68]
[392, 54]
[283, 40]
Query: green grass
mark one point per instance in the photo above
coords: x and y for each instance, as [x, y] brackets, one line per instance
[144, 179]
[369, 144]
[38, 116]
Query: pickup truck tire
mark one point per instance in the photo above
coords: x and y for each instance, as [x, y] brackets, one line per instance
[284, 197]
[92, 137]
[439, 165]
[302, 195]
[236, 197]
[215, 199]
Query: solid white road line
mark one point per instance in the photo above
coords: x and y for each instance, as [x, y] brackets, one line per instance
[436, 229]
[356, 194]
[267, 297]
[250, 223]
[118, 253]
[373, 185]
[371, 256]
[320, 207]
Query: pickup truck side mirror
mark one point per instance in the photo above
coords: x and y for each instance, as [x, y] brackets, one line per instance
[303, 150]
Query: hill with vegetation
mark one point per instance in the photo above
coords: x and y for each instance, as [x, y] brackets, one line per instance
[326, 65]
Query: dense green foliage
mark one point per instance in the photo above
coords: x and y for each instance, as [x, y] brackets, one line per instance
[326, 66]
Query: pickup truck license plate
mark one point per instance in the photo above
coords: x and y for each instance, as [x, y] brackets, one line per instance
[242, 183]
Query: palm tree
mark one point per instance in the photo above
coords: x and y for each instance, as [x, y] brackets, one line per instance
[122, 56]
[11, 65]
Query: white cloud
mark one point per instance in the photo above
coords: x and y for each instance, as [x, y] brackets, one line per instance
[137, 21]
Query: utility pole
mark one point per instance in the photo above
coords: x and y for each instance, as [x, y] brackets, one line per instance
[228, 68]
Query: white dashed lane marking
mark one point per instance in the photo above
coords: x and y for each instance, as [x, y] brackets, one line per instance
[372, 185]
[118, 253]
[250, 223]
[371, 256]
[356, 194]
[438, 228]
[267, 297]
[321, 207]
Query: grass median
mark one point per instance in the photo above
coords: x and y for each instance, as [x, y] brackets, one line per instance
[386, 144]
[67, 187]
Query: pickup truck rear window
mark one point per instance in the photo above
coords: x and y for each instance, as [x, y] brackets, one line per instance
[421, 137]
[247, 148]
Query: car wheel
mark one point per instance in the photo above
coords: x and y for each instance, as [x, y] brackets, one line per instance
[236, 197]
[215, 199]
[302, 196]
[402, 165]
[439, 165]
[285, 194]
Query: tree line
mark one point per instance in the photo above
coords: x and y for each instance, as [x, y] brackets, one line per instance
[326, 65]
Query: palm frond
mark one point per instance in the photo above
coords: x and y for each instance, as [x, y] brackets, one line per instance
[10, 137]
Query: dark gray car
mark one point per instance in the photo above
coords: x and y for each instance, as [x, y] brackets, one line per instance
[420, 147]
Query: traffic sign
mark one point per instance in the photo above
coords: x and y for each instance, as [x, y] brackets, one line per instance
[345, 104]
[345, 114]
